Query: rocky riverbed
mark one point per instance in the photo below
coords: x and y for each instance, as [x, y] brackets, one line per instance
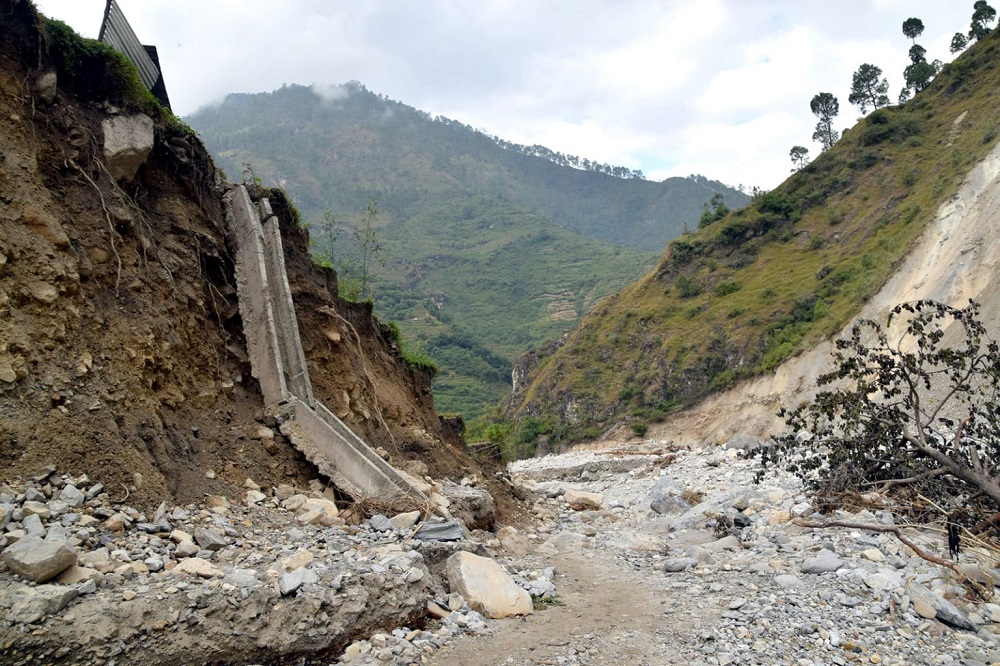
[639, 554]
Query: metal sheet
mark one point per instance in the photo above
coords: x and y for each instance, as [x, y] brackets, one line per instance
[116, 31]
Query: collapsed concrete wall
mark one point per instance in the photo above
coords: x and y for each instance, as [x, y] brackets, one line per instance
[278, 361]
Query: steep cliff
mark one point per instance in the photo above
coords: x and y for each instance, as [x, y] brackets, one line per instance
[122, 353]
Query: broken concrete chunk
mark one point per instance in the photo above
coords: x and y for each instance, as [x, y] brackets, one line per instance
[441, 530]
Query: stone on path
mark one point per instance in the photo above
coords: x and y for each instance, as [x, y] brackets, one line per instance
[39, 560]
[581, 500]
[714, 505]
[884, 580]
[485, 586]
[209, 539]
[788, 580]
[199, 567]
[826, 561]
[186, 548]
[676, 564]
[925, 600]
[665, 497]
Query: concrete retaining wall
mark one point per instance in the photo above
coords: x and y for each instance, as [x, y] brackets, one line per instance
[279, 364]
[254, 296]
[293, 359]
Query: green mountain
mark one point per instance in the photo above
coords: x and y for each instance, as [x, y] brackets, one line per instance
[491, 247]
[741, 295]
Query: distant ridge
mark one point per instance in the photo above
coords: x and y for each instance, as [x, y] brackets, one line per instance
[493, 247]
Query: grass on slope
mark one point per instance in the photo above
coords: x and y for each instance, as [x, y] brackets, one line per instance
[740, 296]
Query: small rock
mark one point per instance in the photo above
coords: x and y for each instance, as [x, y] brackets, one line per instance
[209, 539]
[676, 564]
[944, 610]
[787, 580]
[826, 561]
[380, 523]
[290, 581]
[404, 521]
[199, 567]
[436, 611]
[299, 560]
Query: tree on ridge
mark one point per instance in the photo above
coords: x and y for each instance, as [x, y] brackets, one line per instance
[869, 88]
[826, 107]
[912, 27]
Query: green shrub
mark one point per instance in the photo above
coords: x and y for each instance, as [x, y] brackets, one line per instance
[639, 428]
[728, 287]
[686, 287]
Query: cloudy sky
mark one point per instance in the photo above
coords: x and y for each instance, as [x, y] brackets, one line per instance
[672, 87]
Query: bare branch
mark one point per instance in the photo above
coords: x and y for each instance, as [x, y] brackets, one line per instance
[895, 531]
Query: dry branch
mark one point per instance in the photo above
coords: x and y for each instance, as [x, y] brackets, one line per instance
[892, 529]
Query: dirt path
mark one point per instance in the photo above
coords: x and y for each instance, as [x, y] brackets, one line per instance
[612, 615]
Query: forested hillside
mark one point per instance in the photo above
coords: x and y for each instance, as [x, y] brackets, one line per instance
[490, 247]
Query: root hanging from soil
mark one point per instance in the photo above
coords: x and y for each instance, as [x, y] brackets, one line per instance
[364, 367]
[111, 226]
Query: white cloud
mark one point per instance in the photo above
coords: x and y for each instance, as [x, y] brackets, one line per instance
[718, 87]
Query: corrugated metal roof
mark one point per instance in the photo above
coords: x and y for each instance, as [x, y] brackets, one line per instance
[116, 31]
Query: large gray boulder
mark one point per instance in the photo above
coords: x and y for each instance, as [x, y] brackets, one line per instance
[485, 586]
[39, 560]
[665, 497]
[128, 141]
[473, 506]
[716, 504]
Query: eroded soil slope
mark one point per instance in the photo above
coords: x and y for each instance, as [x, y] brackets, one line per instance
[122, 354]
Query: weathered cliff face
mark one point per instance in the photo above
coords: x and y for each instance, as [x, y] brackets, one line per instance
[122, 354]
[956, 259]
